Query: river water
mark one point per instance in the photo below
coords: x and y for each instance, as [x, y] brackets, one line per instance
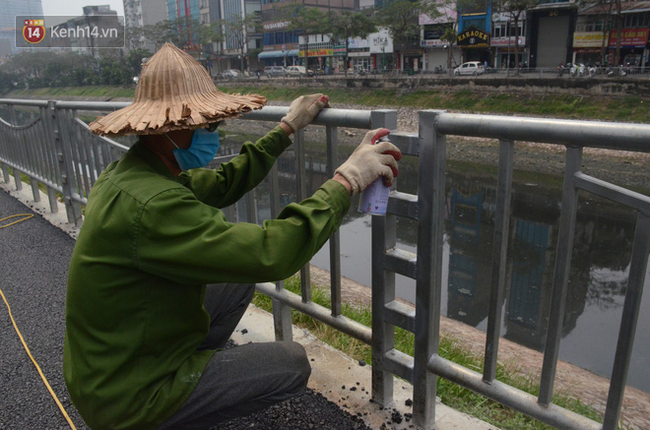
[598, 277]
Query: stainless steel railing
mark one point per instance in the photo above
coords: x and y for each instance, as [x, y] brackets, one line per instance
[57, 151]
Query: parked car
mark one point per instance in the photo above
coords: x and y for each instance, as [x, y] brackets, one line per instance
[472, 68]
[299, 71]
[230, 74]
[357, 70]
[275, 71]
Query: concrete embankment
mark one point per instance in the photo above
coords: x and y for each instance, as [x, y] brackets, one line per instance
[531, 84]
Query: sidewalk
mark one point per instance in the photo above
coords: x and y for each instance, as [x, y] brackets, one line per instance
[34, 264]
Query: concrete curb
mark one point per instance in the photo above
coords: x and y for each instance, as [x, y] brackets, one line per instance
[346, 383]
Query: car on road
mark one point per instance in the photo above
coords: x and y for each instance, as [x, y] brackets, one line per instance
[299, 71]
[231, 74]
[275, 71]
[471, 68]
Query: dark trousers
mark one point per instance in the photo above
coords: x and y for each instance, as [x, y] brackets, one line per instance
[244, 379]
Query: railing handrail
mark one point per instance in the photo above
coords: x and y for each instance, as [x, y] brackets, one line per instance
[595, 134]
[59, 151]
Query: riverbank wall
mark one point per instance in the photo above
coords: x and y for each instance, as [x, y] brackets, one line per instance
[488, 84]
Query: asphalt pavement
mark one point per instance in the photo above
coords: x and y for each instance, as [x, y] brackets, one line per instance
[34, 258]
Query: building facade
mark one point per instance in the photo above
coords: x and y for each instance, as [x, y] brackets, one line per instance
[10, 10]
[596, 37]
[285, 46]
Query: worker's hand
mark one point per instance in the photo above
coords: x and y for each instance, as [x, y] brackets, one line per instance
[371, 160]
[304, 109]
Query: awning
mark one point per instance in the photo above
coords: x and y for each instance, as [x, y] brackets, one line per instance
[277, 54]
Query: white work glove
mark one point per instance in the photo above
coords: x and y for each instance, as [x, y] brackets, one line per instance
[370, 161]
[304, 109]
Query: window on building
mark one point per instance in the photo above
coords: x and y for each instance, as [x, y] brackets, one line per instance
[637, 20]
[498, 30]
[279, 37]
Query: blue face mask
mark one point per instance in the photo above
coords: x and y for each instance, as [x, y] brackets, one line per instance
[202, 150]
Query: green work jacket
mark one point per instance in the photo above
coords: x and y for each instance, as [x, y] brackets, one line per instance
[149, 244]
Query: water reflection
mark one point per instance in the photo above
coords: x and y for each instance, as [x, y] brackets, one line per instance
[598, 275]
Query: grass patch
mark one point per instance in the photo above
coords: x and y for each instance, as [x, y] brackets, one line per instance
[451, 394]
[107, 91]
[628, 109]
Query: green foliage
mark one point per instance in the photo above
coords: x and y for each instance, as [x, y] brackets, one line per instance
[401, 19]
[346, 25]
[308, 20]
[234, 27]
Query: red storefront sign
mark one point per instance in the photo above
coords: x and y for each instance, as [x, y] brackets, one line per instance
[631, 37]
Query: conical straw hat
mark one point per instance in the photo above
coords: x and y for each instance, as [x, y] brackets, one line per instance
[174, 92]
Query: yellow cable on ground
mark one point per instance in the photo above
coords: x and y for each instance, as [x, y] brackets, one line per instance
[25, 217]
[40, 372]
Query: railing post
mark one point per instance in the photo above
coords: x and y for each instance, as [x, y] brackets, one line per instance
[431, 211]
[66, 168]
[561, 274]
[5, 173]
[301, 179]
[281, 313]
[383, 286]
[335, 239]
[18, 148]
[499, 258]
[631, 310]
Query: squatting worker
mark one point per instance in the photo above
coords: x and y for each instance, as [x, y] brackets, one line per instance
[143, 332]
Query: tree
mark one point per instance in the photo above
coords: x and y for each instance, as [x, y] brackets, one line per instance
[450, 36]
[401, 19]
[241, 30]
[134, 60]
[619, 36]
[347, 25]
[514, 10]
[308, 20]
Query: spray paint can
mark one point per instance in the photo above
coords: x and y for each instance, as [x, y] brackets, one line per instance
[374, 199]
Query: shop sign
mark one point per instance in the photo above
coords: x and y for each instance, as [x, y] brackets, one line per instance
[358, 43]
[588, 39]
[339, 50]
[317, 53]
[508, 41]
[375, 42]
[276, 25]
[630, 37]
[473, 37]
[380, 42]
[435, 43]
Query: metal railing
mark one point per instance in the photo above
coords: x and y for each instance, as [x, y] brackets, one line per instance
[57, 150]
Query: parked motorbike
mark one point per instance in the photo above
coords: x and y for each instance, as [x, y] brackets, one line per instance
[578, 71]
[591, 71]
[617, 71]
[563, 68]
